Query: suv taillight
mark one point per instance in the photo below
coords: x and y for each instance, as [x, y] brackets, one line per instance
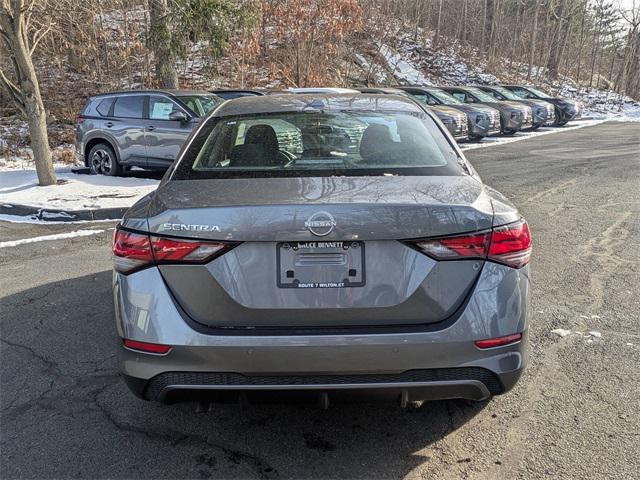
[134, 251]
[509, 244]
[80, 119]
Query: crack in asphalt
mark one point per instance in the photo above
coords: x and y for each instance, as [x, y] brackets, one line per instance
[174, 437]
[70, 402]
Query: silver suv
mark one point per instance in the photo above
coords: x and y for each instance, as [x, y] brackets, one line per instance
[118, 130]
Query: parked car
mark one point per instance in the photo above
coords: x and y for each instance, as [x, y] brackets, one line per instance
[482, 121]
[455, 122]
[544, 113]
[377, 261]
[566, 110]
[513, 116]
[118, 130]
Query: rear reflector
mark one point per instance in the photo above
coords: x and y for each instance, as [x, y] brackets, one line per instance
[509, 244]
[147, 347]
[499, 341]
[134, 251]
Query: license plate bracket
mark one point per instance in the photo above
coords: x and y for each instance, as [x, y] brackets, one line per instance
[318, 264]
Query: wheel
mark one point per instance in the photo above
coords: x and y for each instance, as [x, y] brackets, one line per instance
[509, 131]
[560, 123]
[476, 138]
[102, 160]
[535, 127]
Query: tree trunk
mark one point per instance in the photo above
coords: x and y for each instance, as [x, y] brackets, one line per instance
[437, 36]
[26, 91]
[165, 61]
[581, 44]
[557, 41]
[534, 34]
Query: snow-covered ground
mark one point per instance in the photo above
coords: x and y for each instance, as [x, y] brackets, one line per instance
[46, 238]
[501, 139]
[76, 192]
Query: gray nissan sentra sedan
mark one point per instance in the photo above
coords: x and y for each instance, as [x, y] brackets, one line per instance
[325, 243]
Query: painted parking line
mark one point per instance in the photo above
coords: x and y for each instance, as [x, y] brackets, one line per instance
[45, 238]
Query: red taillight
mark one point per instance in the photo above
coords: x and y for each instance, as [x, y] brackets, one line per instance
[147, 347]
[166, 250]
[509, 245]
[458, 247]
[498, 341]
[80, 119]
[133, 251]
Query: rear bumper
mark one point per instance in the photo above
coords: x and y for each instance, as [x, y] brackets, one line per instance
[438, 362]
[427, 384]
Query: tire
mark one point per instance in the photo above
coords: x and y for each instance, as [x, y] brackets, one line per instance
[536, 127]
[508, 131]
[102, 161]
[561, 123]
[476, 138]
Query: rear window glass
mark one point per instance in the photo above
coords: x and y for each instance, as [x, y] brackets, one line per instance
[129, 106]
[318, 144]
[105, 106]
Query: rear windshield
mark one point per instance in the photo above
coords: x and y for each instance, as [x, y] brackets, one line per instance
[319, 144]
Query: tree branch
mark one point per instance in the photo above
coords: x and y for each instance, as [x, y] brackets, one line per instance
[13, 91]
[39, 35]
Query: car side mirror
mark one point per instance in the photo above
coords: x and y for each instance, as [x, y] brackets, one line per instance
[178, 116]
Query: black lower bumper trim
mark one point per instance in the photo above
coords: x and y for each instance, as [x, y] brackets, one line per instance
[158, 387]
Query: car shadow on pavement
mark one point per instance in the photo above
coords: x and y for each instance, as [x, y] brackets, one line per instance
[65, 412]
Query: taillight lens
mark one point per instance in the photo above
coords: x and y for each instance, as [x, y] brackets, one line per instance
[131, 251]
[170, 250]
[80, 119]
[134, 251]
[458, 247]
[509, 245]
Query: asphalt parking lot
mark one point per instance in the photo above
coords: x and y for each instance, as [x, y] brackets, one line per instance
[65, 413]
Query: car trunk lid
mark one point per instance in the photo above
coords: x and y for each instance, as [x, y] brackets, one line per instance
[356, 270]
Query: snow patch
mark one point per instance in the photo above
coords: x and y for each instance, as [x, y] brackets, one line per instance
[78, 192]
[516, 137]
[595, 334]
[402, 68]
[44, 238]
[561, 332]
[35, 220]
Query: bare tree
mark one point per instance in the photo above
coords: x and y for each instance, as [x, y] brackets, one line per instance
[20, 37]
[161, 43]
